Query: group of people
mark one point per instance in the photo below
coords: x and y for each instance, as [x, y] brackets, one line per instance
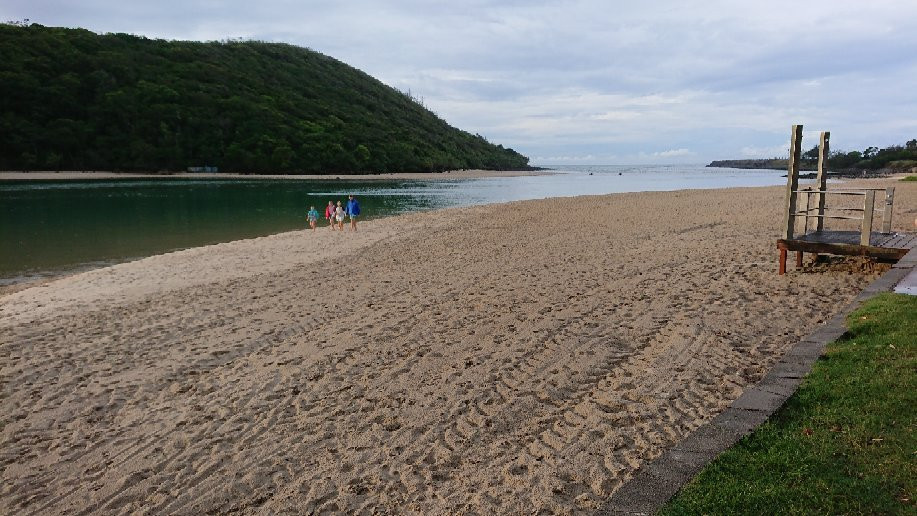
[335, 214]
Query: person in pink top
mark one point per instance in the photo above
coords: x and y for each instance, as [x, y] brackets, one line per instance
[329, 214]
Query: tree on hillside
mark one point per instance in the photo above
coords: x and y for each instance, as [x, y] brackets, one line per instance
[811, 154]
[73, 99]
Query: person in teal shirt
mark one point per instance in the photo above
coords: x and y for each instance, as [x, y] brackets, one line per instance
[313, 217]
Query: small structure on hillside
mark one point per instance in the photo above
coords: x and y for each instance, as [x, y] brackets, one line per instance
[883, 245]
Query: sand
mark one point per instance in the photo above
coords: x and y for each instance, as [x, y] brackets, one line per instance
[510, 358]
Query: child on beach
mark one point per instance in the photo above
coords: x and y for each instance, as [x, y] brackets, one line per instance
[353, 210]
[339, 216]
[313, 217]
[329, 214]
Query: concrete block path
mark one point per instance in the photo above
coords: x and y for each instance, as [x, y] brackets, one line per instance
[908, 285]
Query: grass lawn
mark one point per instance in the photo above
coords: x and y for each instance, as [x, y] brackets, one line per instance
[909, 178]
[844, 443]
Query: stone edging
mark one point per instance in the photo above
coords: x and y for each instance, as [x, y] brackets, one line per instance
[658, 480]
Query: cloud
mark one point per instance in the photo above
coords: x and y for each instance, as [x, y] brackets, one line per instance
[589, 158]
[575, 78]
[673, 153]
[775, 151]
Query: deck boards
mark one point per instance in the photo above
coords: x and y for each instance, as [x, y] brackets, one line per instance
[883, 246]
[892, 240]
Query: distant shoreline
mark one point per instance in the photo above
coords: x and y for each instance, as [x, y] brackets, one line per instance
[756, 164]
[781, 164]
[101, 175]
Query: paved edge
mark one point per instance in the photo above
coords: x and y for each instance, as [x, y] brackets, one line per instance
[660, 479]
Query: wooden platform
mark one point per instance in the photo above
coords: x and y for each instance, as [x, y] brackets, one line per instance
[886, 245]
[883, 246]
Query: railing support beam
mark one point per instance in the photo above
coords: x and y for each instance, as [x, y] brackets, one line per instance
[821, 179]
[792, 182]
[869, 205]
[887, 213]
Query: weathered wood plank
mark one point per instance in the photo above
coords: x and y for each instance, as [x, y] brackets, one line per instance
[887, 214]
[869, 204]
[903, 242]
[889, 247]
[843, 237]
[894, 240]
[821, 179]
[891, 240]
[805, 222]
[897, 240]
[910, 242]
[792, 181]
[881, 253]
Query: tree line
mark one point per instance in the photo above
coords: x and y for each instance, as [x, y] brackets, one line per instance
[893, 157]
[71, 99]
[871, 158]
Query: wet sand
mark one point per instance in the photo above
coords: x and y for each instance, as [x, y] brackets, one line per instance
[506, 358]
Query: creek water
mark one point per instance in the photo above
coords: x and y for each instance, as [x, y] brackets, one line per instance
[54, 227]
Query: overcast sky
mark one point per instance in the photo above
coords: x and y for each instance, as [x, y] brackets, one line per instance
[589, 82]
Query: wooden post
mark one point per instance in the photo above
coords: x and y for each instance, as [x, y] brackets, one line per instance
[781, 269]
[868, 205]
[792, 182]
[887, 214]
[821, 179]
[805, 221]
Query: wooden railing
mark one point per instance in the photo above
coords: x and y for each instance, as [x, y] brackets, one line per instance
[867, 211]
[822, 192]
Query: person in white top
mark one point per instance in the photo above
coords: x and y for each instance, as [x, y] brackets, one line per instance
[339, 216]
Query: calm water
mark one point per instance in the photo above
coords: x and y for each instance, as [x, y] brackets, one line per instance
[48, 227]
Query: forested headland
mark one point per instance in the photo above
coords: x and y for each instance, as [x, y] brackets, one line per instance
[71, 99]
[895, 158]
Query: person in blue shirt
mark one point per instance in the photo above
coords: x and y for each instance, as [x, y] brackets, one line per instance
[313, 217]
[353, 211]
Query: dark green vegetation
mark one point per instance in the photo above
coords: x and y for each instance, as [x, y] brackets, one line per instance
[895, 158]
[843, 444]
[771, 164]
[71, 99]
[909, 178]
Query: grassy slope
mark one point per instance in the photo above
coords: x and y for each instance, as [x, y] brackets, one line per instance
[843, 444]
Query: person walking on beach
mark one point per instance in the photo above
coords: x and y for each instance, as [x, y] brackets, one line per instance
[329, 214]
[339, 216]
[313, 217]
[353, 210]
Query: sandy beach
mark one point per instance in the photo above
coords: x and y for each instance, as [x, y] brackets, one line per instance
[509, 358]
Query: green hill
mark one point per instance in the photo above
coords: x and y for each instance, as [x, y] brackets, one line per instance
[71, 99]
